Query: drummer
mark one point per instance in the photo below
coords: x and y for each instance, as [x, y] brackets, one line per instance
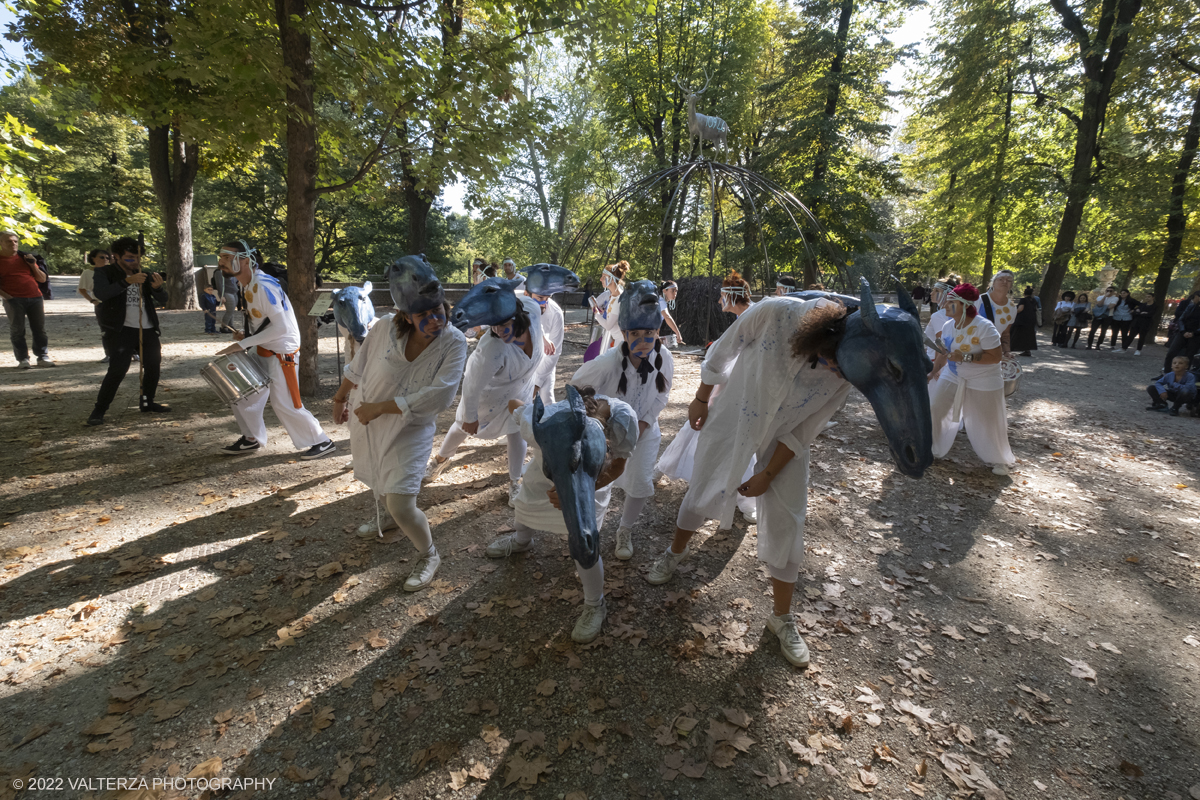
[272, 336]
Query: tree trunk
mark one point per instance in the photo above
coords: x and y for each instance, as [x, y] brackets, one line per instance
[1099, 74]
[173, 165]
[418, 202]
[1177, 216]
[833, 94]
[301, 139]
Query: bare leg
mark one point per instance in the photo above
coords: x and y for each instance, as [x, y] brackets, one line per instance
[783, 596]
[681, 540]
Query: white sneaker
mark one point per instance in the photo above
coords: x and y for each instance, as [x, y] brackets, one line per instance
[45, 362]
[624, 548]
[1120, 349]
[590, 622]
[513, 490]
[1137, 352]
[423, 571]
[1000, 469]
[791, 643]
[24, 364]
[506, 545]
[369, 530]
[662, 569]
[749, 512]
[435, 468]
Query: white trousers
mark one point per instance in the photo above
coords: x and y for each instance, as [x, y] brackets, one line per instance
[300, 424]
[984, 415]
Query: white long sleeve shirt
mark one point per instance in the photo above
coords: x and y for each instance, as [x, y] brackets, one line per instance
[266, 302]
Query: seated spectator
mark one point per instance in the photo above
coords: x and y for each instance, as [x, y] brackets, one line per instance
[1176, 387]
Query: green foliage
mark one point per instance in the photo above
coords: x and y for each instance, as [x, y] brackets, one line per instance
[21, 209]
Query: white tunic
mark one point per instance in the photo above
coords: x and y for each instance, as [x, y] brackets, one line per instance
[603, 373]
[1003, 314]
[498, 372]
[268, 305]
[607, 318]
[770, 397]
[533, 509]
[390, 452]
[937, 321]
[552, 332]
[971, 395]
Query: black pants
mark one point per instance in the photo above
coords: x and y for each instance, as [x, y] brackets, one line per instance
[1181, 346]
[1174, 396]
[1101, 324]
[1121, 326]
[103, 339]
[1068, 338]
[1140, 332]
[122, 346]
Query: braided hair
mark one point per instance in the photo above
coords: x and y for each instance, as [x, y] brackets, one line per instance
[660, 381]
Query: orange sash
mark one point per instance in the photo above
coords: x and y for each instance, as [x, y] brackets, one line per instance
[287, 362]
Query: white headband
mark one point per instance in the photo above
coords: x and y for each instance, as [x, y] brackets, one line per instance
[740, 291]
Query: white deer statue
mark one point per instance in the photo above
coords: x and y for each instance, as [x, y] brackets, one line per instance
[712, 129]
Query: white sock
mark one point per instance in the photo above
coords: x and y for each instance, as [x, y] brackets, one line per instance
[524, 534]
[633, 507]
[593, 582]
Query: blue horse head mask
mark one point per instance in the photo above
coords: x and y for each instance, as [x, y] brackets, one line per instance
[489, 302]
[639, 307]
[550, 279]
[353, 309]
[573, 452]
[414, 286]
[882, 353]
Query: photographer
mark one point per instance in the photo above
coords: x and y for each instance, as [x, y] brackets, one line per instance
[20, 289]
[129, 325]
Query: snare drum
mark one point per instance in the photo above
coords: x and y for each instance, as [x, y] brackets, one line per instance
[235, 376]
[1011, 371]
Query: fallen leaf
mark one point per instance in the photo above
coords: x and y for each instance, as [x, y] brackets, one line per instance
[1131, 769]
[547, 687]
[952, 632]
[1080, 669]
[206, 769]
[525, 773]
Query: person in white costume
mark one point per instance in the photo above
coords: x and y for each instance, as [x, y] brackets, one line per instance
[639, 372]
[536, 508]
[776, 400]
[999, 306]
[677, 460]
[938, 319]
[552, 337]
[607, 304]
[404, 374]
[785, 285]
[510, 273]
[502, 368]
[969, 386]
[669, 330]
[274, 336]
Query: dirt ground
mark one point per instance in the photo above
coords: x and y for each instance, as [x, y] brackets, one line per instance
[174, 616]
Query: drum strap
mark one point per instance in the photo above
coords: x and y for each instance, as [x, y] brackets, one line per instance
[287, 362]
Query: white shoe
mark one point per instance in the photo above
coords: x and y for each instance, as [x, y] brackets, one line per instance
[590, 622]
[750, 515]
[1120, 349]
[624, 548]
[435, 468]
[791, 643]
[662, 569]
[45, 362]
[24, 364]
[506, 545]
[513, 490]
[1137, 352]
[423, 571]
[1000, 469]
[369, 530]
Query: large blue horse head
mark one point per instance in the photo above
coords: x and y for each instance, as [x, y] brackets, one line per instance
[550, 279]
[489, 302]
[639, 307]
[414, 286]
[883, 354]
[573, 452]
[353, 310]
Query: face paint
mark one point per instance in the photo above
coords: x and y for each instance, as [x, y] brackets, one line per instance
[641, 343]
[541, 300]
[430, 323]
[504, 331]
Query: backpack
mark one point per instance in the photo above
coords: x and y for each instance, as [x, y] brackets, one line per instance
[276, 271]
[44, 288]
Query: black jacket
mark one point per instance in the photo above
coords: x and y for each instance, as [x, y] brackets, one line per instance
[110, 289]
[1188, 317]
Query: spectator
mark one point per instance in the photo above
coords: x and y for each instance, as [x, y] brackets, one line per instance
[21, 292]
[1122, 320]
[1102, 311]
[1080, 314]
[1186, 340]
[1024, 326]
[210, 303]
[87, 284]
[227, 288]
[1062, 315]
[1142, 325]
[1177, 387]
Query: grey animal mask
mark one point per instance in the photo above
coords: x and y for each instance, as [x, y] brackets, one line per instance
[353, 310]
[489, 302]
[414, 286]
[550, 279]
[639, 307]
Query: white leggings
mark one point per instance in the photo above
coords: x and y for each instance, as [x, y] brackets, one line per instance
[691, 521]
[516, 448]
[412, 520]
[592, 578]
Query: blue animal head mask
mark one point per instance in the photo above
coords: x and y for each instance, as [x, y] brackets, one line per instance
[550, 279]
[639, 307]
[488, 303]
[883, 354]
[413, 284]
[573, 451]
[353, 309]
